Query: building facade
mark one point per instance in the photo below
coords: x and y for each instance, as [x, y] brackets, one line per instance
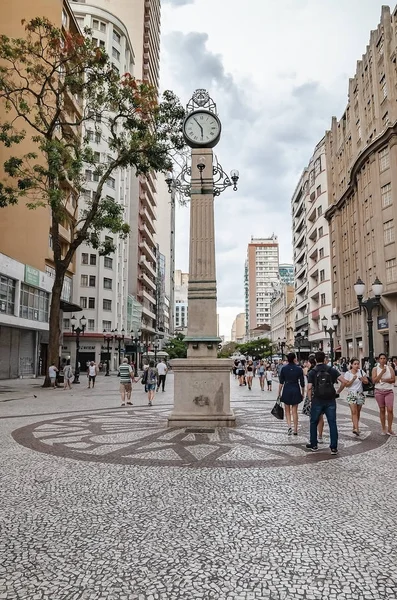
[26, 255]
[181, 302]
[286, 273]
[300, 244]
[261, 275]
[362, 156]
[238, 328]
[278, 308]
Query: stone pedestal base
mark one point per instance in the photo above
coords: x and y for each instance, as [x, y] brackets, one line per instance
[201, 393]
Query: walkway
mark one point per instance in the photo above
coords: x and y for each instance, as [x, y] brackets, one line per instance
[103, 502]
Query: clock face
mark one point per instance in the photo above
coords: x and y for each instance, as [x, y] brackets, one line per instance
[202, 129]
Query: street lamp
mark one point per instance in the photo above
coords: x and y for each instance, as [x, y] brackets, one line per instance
[369, 305]
[107, 338]
[78, 329]
[136, 338]
[300, 336]
[330, 331]
[156, 346]
[119, 337]
[281, 343]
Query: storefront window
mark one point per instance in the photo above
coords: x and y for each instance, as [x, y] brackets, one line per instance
[7, 295]
[34, 304]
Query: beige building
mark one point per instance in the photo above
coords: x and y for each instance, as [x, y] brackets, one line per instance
[280, 302]
[362, 158]
[290, 325]
[26, 255]
[238, 328]
[261, 275]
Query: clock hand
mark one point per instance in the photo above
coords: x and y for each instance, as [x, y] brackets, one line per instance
[202, 130]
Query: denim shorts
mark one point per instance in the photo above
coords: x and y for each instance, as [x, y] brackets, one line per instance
[150, 387]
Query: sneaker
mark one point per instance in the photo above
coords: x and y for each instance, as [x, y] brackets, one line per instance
[320, 440]
[149, 404]
[289, 432]
[392, 433]
[312, 448]
[334, 450]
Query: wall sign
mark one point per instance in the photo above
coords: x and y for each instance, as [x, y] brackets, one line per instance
[32, 276]
[383, 323]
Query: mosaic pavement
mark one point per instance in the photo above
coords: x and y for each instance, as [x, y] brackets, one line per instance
[97, 503]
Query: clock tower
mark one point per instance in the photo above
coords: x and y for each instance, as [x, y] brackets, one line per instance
[202, 381]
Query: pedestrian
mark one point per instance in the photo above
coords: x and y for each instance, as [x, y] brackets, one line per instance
[311, 364]
[262, 374]
[235, 365]
[384, 378]
[126, 374]
[241, 372]
[291, 390]
[92, 372]
[322, 395]
[162, 372]
[353, 380]
[250, 373]
[67, 376]
[269, 378]
[52, 373]
[151, 381]
[144, 377]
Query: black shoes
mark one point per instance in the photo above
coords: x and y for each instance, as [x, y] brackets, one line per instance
[334, 450]
[312, 448]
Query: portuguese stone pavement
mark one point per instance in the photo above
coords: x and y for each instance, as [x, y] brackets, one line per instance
[103, 502]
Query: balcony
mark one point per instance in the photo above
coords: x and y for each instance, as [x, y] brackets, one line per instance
[147, 204]
[146, 233]
[148, 219]
[65, 234]
[316, 314]
[147, 266]
[147, 312]
[144, 246]
[302, 322]
[147, 281]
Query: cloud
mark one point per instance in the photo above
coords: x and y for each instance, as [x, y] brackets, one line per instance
[178, 2]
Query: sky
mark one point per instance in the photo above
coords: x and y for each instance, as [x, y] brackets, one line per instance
[278, 71]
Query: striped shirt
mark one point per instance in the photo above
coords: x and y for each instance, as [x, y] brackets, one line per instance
[125, 371]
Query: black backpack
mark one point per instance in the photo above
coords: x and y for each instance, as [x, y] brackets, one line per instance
[323, 385]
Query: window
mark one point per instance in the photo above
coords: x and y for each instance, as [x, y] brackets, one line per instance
[99, 25]
[321, 252]
[108, 262]
[91, 324]
[116, 36]
[66, 324]
[318, 191]
[107, 325]
[115, 53]
[97, 157]
[84, 258]
[91, 302]
[320, 232]
[90, 135]
[391, 270]
[385, 120]
[93, 260]
[34, 304]
[317, 166]
[111, 182]
[319, 211]
[92, 280]
[322, 275]
[107, 304]
[83, 302]
[64, 18]
[358, 124]
[102, 27]
[388, 232]
[95, 24]
[386, 195]
[88, 175]
[84, 280]
[107, 283]
[383, 88]
[7, 295]
[97, 137]
[311, 178]
[384, 159]
[322, 299]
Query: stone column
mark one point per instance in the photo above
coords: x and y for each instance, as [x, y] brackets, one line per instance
[202, 381]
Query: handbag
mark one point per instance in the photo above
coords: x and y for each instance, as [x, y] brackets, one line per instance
[144, 377]
[306, 408]
[368, 387]
[277, 410]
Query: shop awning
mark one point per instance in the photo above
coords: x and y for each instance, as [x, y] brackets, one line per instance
[69, 307]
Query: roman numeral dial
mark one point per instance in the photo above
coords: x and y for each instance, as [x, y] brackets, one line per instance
[202, 128]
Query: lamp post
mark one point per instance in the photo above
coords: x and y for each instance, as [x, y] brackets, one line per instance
[156, 346]
[281, 343]
[136, 338]
[369, 305]
[330, 331]
[119, 337]
[299, 341]
[78, 329]
[107, 338]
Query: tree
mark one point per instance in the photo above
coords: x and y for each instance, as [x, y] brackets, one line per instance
[42, 75]
[250, 348]
[176, 348]
[227, 350]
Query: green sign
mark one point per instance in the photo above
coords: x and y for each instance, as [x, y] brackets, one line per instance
[32, 276]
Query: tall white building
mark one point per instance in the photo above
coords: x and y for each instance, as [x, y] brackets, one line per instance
[312, 261]
[181, 314]
[261, 276]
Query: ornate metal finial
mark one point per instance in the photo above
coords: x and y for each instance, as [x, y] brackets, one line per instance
[201, 99]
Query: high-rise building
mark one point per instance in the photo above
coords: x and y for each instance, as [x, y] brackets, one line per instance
[238, 328]
[26, 255]
[261, 275]
[181, 301]
[281, 300]
[312, 251]
[362, 159]
[286, 273]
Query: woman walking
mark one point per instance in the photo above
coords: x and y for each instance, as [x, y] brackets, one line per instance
[250, 373]
[384, 377]
[241, 372]
[67, 376]
[291, 390]
[151, 381]
[261, 373]
[354, 380]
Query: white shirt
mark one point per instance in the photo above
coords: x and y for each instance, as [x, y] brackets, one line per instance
[357, 386]
[383, 385]
[92, 370]
[52, 372]
[162, 368]
[269, 375]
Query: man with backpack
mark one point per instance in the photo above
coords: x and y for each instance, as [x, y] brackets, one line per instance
[322, 395]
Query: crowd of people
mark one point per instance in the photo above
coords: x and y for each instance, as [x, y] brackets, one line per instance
[314, 381]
